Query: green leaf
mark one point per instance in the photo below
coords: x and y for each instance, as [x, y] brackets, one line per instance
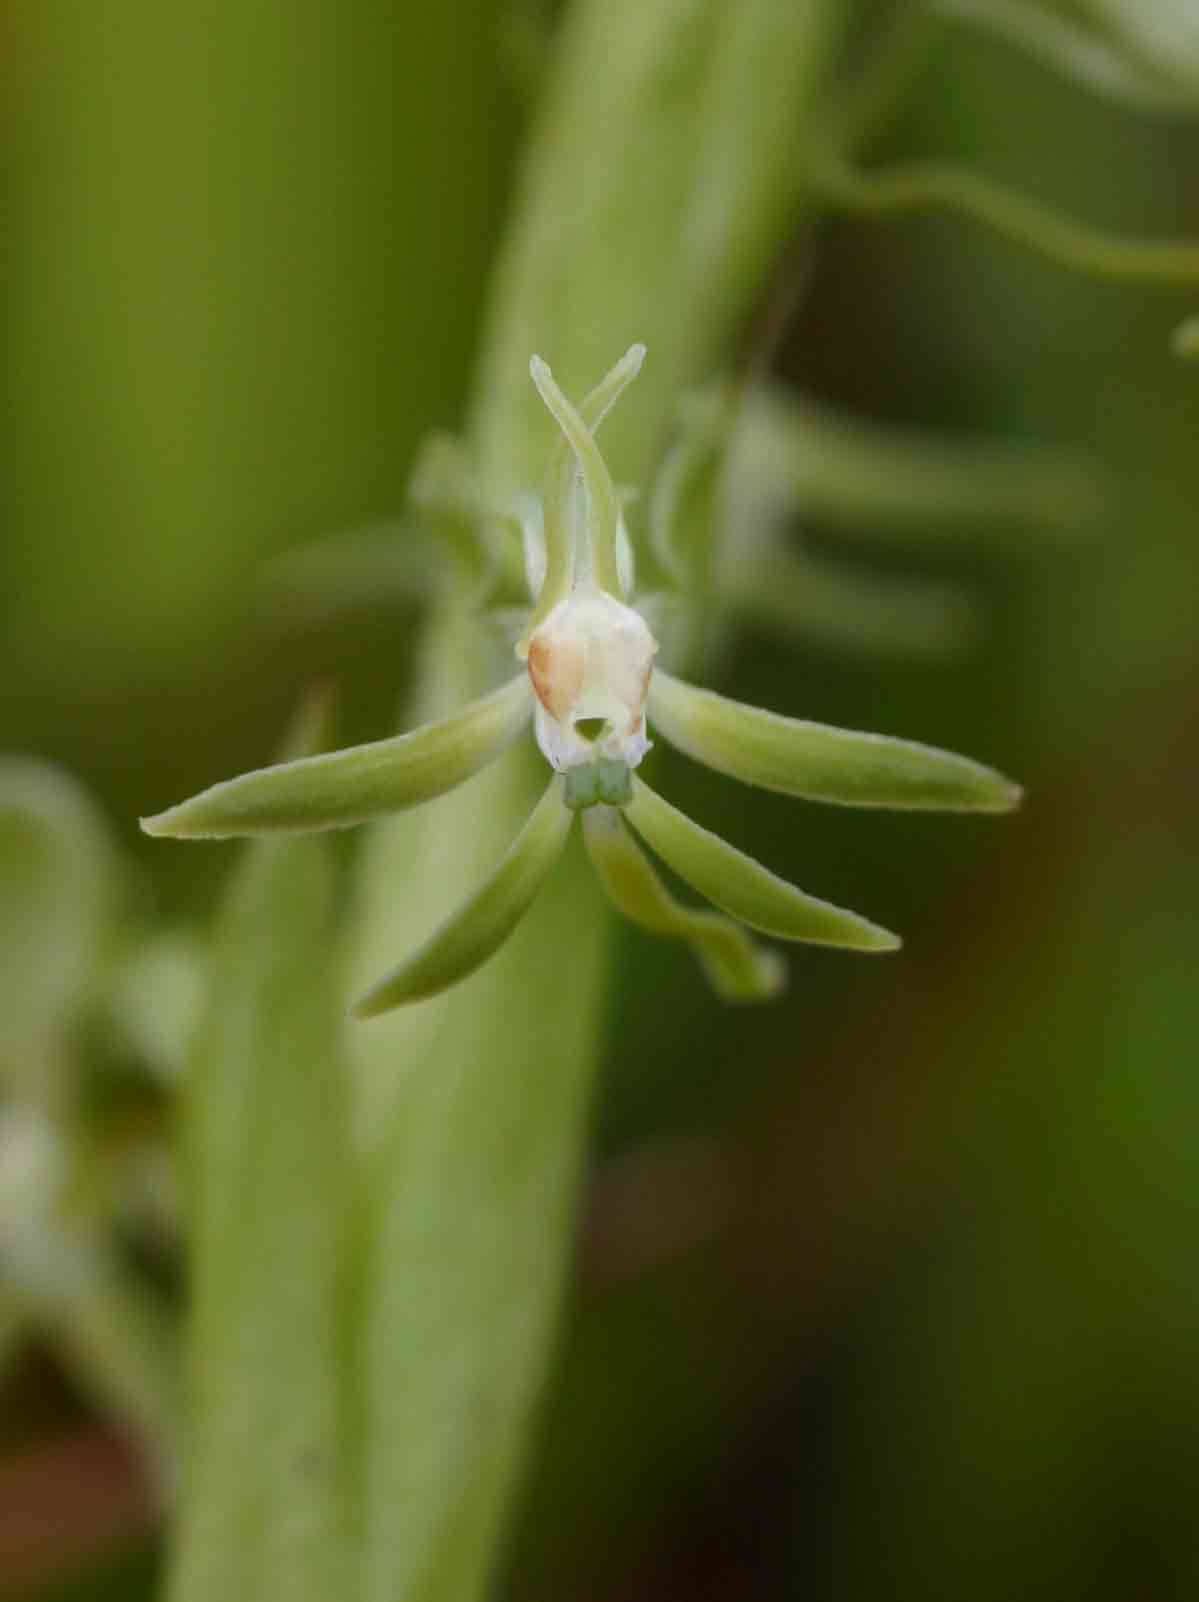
[263, 1514]
[60, 885]
[934, 186]
[819, 763]
[155, 998]
[658, 188]
[1163, 34]
[1185, 341]
[658, 185]
[686, 504]
[473, 1115]
[478, 929]
[805, 459]
[120, 1342]
[737, 967]
[340, 788]
[835, 605]
[1078, 51]
[391, 563]
[60, 1277]
[744, 888]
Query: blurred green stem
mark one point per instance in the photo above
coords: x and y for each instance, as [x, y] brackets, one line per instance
[933, 186]
[657, 190]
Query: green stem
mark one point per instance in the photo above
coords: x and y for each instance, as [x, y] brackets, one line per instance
[930, 186]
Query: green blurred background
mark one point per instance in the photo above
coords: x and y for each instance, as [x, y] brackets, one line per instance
[891, 1290]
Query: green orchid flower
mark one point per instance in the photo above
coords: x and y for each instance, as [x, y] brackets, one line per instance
[590, 688]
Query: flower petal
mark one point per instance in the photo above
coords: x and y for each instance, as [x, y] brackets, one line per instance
[821, 763]
[481, 925]
[744, 888]
[340, 788]
[557, 554]
[738, 968]
[603, 501]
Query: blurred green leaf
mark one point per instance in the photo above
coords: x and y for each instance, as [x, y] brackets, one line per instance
[155, 998]
[1165, 33]
[1078, 51]
[59, 891]
[802, 597]
[657, 188]
[264, 1510]
[744, 888]
[936, 186]
[819, 763]
[1186, 339]
[808, 461]
[473, 1122]
[60, 1276]
[738, 968]
[339, 788]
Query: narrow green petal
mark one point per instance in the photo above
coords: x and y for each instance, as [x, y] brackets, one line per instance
[603, 501]
[344, 787]
[820, 763]
[744, 888]
[559, 542]
[481, 925]
[738, 968]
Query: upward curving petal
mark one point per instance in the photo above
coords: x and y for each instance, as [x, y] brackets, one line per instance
[744, 888]
[340, 788]
[481, 925]
[602, 499]
[820, 763]
[558, 553]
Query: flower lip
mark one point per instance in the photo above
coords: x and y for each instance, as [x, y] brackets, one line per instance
[590, 665]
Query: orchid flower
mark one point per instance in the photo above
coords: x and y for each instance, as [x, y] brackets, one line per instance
[590, 688]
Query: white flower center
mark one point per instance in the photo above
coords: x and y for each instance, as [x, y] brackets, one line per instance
[590, 664]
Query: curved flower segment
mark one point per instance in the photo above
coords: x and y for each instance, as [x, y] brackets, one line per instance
[589, 685]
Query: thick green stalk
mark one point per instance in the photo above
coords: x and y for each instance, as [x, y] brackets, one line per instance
[262, 1513]
[658, 189]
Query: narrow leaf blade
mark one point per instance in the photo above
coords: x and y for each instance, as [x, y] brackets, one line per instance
[820, 763]
[744, 888]
[1076, 50]
[738, 968]
[340, 788]
[264, 1510]
[833, 605]
[479, 927]
[60, 889]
